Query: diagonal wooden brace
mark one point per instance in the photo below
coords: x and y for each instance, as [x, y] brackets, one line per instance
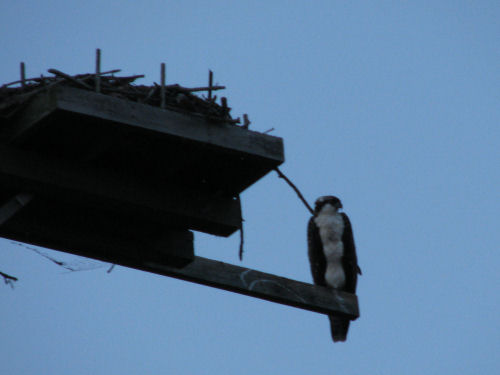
[13, 206]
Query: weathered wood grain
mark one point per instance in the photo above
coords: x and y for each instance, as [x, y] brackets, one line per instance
[260, 285]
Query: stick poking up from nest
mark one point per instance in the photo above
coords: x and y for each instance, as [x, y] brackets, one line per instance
[281, 175]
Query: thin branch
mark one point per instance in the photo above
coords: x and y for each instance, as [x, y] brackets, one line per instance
[74, 266]
[82, 76]
[242, 235]
[69, 78]
[281, 175]
[242, 239]
[8, 279]
[55, 261]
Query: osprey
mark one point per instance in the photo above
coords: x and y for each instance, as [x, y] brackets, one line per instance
[332, 254]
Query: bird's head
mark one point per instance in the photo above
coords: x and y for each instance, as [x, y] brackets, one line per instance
[323, 201]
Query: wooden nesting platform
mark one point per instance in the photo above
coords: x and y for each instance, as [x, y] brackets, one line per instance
[125, 182]
[171, 166]
[109, 173]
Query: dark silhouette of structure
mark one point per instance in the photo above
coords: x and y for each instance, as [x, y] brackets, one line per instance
[95, 166]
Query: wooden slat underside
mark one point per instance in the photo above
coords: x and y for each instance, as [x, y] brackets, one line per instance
[24, 172]
[143, 142]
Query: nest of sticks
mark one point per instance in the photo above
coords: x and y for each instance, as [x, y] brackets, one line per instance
[14, 95]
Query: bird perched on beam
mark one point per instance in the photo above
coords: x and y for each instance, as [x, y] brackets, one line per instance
[332, 255]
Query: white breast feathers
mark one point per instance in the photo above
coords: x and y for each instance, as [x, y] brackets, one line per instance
[331, 227]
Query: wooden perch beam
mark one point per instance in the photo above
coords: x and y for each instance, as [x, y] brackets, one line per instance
[82, 232]
[221, 275]
[260, 285]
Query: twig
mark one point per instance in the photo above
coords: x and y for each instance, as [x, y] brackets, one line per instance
[111, 268]
[70, 267]
[111, 72]
[83, 76]
[246, 121]
[35, 79]
[55, 261]
[150, 94]
[87, 76]
[9, 280]
[69, 78]
[242, 239]
[281, 175]
[194, 89]
[242, 236]
[128, 79]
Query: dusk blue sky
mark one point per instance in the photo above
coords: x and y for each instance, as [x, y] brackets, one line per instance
[391, 105]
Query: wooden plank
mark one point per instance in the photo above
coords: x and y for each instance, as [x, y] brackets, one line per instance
[79, 231]
[39, 107]
[157, 257]
[171, 123]
[93, 233]
[60, 179]
[258, 284]
[43, 125]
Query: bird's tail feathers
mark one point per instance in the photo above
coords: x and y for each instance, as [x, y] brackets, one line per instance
[339, 327]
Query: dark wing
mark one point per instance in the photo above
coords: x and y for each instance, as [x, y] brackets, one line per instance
[315, 253]
[349, 260]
